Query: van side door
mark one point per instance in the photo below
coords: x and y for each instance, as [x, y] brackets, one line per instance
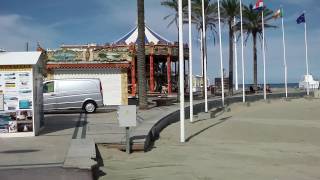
[49, 96]
[70, 94]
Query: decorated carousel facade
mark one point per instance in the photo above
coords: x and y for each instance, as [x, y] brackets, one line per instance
[115, 65]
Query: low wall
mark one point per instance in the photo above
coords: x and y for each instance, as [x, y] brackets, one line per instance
[174, 117]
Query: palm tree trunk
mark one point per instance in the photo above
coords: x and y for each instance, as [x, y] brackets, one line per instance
[142, 92]
[230, 58]
[255, 59]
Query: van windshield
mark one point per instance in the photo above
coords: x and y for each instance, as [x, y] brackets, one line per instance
[48, 87]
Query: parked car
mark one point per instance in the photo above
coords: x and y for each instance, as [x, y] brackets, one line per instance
[65, 94]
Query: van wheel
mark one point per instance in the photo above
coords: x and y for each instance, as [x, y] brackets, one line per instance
[90, 106]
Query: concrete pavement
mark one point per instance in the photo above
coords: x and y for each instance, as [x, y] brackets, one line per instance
[266, 141]
[68, 140]
[43, 156]
[47, 149]
[47, 173]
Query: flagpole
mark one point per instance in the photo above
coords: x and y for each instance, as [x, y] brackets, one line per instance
[236, 57]
[190, 64]
[307, 64]
[242, 56]
[204, 60]
[264, 60]
[284, 56]
[181, 73]
[221, 58]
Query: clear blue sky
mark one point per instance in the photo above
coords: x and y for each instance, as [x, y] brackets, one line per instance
[81, 21]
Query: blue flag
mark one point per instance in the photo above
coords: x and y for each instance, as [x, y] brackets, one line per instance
[301, 19]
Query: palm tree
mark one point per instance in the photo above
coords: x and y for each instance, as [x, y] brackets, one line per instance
[229, 10]
[173, 4]
[252, 25]
[142, 83]
[210, 13]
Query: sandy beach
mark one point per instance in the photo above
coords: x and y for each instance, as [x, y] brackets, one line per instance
[266, 141]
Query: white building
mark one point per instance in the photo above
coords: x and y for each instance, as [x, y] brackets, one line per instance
[308, 81]
[113, 80]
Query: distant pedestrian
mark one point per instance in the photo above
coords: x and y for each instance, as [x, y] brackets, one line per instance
[251, 89]
[268, 88]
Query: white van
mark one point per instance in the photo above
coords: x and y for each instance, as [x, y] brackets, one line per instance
[65, 94]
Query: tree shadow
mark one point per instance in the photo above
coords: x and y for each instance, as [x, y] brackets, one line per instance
[222, 120]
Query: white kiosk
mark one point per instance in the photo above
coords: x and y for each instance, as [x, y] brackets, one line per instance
[21, 107]
[308, 81]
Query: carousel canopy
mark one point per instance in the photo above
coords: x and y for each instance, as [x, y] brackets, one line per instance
[150, 36]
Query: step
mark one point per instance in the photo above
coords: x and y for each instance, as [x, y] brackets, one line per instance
[81, 154]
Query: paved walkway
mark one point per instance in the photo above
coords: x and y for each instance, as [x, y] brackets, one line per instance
[262, 142]
[47, 149]
[65, 142]
[68, 140]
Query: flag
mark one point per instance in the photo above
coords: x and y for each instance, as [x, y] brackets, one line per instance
[278, 14]
[301, 19]
[258, 5]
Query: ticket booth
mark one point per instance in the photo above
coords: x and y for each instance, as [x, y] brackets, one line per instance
[21, 107]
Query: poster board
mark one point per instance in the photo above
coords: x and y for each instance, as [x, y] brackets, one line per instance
[16, 115]
[1, 102]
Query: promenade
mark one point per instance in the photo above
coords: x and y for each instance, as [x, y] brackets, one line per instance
[69, 139]
[276, 140]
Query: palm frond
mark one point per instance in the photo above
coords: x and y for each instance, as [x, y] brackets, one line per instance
[173, 4]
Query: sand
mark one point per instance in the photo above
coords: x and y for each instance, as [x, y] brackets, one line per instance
[265, 141]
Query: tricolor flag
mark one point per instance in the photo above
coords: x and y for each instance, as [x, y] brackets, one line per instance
[301, 19]
[258, 5]
[278, 14]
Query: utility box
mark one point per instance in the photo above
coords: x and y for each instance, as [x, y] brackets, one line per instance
[21, 99]
[127, 115]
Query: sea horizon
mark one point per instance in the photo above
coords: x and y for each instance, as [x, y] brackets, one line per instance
[275, 85]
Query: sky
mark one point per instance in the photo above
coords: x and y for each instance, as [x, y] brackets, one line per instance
[57, 22]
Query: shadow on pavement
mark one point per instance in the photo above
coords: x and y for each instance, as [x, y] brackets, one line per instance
[222, 120]
[96, 171]
[60, 122]
[19, 151]
[74, 111]
[213, 114]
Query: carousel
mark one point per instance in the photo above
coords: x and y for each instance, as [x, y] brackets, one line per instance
[162, 62]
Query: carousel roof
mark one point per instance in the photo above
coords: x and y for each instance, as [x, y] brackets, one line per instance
[150, 36]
